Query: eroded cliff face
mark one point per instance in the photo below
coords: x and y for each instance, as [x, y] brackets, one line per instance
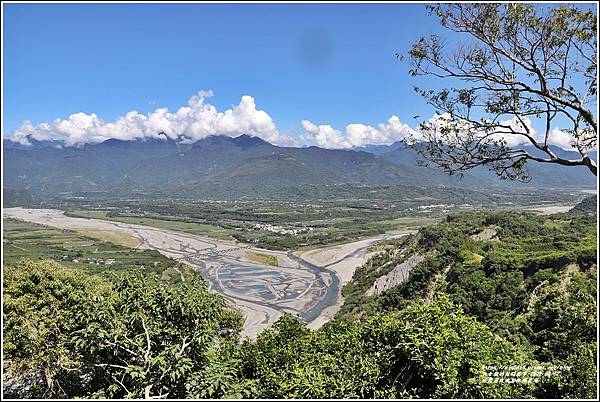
[396, 276]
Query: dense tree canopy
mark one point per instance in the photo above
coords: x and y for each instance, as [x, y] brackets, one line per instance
[427, 350]
[88, 337]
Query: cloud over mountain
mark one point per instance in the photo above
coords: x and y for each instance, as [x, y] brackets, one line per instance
[357, 134]
[200, 119]
[195, 121]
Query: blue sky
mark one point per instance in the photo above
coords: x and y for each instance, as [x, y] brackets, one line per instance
[331, 64]
[303, 68]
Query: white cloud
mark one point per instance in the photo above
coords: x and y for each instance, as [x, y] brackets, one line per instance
[556, 137]
[324, 136]
[199, 119]
[513, 140]
[196, 121]
[357, 134]
[458, 126]
[561, 139]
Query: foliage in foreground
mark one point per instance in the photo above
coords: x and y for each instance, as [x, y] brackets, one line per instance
[428, 351]
[526, 296]
[72, 335]
[516, 66]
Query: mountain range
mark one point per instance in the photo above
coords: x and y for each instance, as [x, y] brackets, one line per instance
[227, 167]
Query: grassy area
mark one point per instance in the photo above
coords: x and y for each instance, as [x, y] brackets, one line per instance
[90, 214]
[471, 258]
[336, 230]
[180, 226]
[111, 236]
[23, 240]
[338, 224]
[262, 258]
[413, 222]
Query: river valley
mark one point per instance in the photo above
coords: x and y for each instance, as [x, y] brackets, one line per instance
[307, 284]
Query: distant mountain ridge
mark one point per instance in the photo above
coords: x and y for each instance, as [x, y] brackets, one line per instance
[219, 166]
[544, 175]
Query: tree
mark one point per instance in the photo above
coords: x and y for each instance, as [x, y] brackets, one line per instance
[72, 335]
[40, 303]
[426, 350]
[157, 338]
[523, 63]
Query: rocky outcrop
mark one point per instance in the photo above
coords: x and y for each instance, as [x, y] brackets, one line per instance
[24, 386]
[489, 233]
[396, 276]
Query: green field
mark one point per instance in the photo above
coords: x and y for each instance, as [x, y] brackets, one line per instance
[24, 240]
[262, 258]
[300, 224]
[180, 226]
[318, 225]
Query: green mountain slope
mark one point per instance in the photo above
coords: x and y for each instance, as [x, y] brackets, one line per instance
[530, 278]
[220, 166]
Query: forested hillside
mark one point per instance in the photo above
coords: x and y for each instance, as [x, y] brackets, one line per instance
[530, 278]
[490, 289]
